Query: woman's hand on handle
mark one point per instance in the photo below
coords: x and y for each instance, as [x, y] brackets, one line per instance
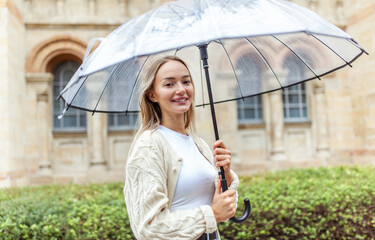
[222, 157]
[223, 204]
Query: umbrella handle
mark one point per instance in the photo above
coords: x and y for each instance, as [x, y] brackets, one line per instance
[246, 202]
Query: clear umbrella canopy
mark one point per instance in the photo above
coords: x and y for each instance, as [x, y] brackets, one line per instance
[254, 47]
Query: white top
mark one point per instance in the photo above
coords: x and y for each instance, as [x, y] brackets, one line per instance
[196, 181]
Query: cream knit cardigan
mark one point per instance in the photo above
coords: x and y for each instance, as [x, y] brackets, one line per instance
[152, 171]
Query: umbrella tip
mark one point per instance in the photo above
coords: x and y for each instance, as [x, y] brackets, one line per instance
[63, 113]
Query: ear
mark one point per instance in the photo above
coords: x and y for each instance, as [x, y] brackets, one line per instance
[151, 96]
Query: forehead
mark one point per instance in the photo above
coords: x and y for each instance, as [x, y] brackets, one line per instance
[172, 68]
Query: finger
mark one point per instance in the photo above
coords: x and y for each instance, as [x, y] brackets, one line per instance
[222, 151]
[222, 157]
[223, 163]
[219, 144]
[229, 193]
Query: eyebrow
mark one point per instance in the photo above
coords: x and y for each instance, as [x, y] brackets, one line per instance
[172, 78]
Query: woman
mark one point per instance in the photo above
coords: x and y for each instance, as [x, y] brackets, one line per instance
[170, 188]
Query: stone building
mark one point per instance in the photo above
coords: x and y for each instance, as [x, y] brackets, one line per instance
[42, 42]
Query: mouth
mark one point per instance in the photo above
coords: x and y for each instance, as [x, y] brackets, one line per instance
[180, 100]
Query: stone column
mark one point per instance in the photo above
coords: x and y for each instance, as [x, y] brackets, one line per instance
[277, 126]
[97, 135]
[97, 128]
[41, 83]
[321, 119]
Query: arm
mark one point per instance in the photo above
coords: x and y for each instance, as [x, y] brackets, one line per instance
[146, 197]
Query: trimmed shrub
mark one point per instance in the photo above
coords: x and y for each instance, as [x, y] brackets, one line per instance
[323, 203]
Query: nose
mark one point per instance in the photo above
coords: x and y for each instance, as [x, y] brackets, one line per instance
[180, 89]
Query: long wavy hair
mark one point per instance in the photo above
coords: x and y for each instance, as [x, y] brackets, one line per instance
[150, 111]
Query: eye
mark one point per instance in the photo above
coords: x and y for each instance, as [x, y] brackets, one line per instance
[187, 82]
[168, 84]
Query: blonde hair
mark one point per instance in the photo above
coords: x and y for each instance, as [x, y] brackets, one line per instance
[150, 117]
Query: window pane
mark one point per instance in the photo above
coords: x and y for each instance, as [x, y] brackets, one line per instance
[305, 112]
[249, 114]
[56, 122]
[250, 101]
[82, 120]
[111, 120]
[70, 121]
[293, 98]
[123, 120]
[294, 112]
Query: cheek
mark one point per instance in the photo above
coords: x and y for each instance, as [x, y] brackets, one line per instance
[191, 91]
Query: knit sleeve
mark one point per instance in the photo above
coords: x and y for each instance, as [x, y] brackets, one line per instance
[146, 198]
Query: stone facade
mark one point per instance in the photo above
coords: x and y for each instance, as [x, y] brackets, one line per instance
[35, 36]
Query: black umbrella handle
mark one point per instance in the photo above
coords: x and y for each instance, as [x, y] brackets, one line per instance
[224, 185]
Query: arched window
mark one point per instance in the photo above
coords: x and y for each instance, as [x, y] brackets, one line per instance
[73, 120]
[249, 110]
[295, 97]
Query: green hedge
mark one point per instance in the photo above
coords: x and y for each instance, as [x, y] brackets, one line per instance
[323, 203]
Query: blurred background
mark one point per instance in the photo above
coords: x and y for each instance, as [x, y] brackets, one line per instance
[42, 43]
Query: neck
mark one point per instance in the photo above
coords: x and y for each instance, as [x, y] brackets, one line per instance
[176, 124]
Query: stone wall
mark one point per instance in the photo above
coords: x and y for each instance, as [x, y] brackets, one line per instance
[36, 35]
[13, 167]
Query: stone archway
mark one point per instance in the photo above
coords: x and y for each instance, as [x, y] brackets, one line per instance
[45, 55]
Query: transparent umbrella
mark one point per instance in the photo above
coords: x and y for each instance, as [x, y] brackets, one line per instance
[276, 34]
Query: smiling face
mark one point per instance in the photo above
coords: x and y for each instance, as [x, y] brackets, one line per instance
[172, 89]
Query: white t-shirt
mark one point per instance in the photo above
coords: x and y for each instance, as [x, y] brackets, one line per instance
[196, 181]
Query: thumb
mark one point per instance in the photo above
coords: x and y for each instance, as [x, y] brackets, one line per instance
[218, 188]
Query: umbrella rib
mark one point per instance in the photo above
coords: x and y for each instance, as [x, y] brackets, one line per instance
[297, 56]
[265, 60]
[331, 49]
[135, 82]
[105, 87]
[175, 12]
[234, 72]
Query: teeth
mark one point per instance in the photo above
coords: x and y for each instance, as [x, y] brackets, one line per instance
[182, 100]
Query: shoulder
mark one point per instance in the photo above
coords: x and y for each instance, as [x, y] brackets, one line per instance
[147, 151]
[149, 138]
[149, 141]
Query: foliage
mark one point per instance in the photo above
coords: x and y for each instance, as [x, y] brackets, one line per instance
[323, 203]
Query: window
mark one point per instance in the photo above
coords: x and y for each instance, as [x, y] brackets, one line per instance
[122, 121]
[74, 119]
[295, 103]
[249, 110]
[294, 97]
